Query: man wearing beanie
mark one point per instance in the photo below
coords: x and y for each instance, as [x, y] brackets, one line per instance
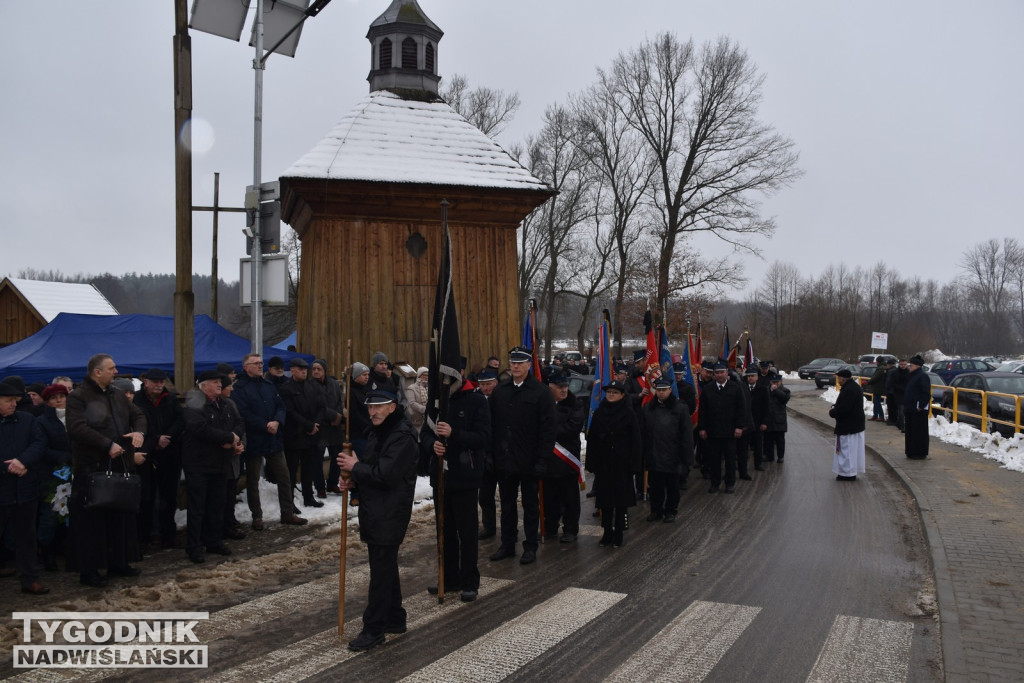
[917, 397]
[382, 379]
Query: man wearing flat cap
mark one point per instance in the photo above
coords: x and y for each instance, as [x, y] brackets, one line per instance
[523, 425]
[386, 476]
[305, 410]
[720, 425]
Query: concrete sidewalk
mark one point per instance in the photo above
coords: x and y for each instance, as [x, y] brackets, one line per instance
[972, 511]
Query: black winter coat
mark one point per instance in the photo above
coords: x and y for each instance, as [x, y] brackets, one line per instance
[21, 437]
[848, 410]
[304, 406]
[569, 419]
[721, 412]
[259, 403]
[358, 415]
[778, 420]
[209, 425]
[470, 420]
[334, 405]
[386, 477]
[522, 427]
[759, 404]
[668, 435]
[162, 418]
[614, 452]
[917, 395]
[97, 418]
[58, 445]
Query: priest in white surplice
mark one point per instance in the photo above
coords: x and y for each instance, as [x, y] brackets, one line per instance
[848, 412]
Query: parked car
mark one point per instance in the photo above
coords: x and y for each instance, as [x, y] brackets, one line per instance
[948, 369]
[581, 386]
[876, 358]
[807, 371]
[938, 387]
[826, 377]
[1012, 366]
[999, 407]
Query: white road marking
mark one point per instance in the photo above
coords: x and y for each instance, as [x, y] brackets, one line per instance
[864, 650]
[323, 650]
[506, 649]
[690, 646]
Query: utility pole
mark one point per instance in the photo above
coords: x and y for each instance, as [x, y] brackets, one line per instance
[184, 299]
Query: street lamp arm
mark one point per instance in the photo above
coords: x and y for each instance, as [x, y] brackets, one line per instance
[311, 11]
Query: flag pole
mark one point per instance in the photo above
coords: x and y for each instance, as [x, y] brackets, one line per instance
[346, 448]
[442, 414]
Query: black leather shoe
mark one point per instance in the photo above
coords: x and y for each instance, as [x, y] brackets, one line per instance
[780, 460]
[669, 518]
[606, 539]
[502, 553]
[234, 533]
[197, 558]
[758, 468]
[219, 549]
[395, 628]
[567, 538]
[529, 557]
[93, 579]
[485, 534]
[746, 477]
[312, 503]
[730, 489]
[713, 489]
[126, 570]
[467, 596]
[433, 590]
[364, 641]
[35, 588]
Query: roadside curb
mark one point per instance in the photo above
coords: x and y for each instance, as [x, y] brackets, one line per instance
[954, 664]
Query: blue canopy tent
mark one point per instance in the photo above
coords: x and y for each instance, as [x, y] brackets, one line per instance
[136, 343]
[287, 341]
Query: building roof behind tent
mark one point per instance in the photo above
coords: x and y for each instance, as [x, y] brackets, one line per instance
[51, 298]
[386, 138]
[406, 12]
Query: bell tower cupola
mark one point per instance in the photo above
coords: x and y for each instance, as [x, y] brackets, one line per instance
[403, 53]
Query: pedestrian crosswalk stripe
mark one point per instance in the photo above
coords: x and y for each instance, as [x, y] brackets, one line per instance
[860, 649]
[323, 650]
[690, 646]
[500, 653]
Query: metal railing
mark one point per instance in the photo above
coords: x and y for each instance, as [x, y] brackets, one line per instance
[954, 412]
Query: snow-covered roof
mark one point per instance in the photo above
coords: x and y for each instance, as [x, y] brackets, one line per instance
[51, 298]
[387, 138]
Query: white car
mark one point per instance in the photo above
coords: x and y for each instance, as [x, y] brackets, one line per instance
[1012, 366]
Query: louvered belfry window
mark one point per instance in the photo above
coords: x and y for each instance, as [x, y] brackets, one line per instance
[384, 59]
[408, 53]
[430, 58]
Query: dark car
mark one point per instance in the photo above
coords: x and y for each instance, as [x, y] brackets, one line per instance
[826, 376]
[581, 386]
[807, 371]
[1001, 408]
[876, 358]
[938, 387]
[948, 369]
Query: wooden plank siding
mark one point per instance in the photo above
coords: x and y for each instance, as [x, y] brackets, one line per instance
[360, 281]
[18, 319]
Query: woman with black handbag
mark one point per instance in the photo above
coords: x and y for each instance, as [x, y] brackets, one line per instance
[104, 428]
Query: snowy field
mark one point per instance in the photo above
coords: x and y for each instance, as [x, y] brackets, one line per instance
[1008, 452]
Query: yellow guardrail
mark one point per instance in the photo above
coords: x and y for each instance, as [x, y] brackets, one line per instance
[983, 416]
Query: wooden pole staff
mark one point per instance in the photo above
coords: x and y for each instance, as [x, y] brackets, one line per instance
[346, 447]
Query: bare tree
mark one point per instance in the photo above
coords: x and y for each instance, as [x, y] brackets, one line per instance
[989, 267]
[488, 109]
[697, 113]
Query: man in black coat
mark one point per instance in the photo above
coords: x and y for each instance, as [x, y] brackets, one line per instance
[564, 470]
[386, 476]
[917, 398]
[463, 435]
[212, 441]
[332, 430]
[304, 407]
[22, 449]
[487, 381]
[721, 422]
[523, 434]
[161, 472]
[757, 395]
[778, 422]
[668, 449]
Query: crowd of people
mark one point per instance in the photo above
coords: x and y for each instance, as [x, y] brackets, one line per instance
[508, 441]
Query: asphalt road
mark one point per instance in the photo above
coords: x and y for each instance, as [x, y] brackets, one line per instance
[795, 577]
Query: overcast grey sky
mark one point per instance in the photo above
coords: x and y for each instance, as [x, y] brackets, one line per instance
[906, 115]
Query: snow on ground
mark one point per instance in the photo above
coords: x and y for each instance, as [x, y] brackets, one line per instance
[1008, 452]
[330, 513]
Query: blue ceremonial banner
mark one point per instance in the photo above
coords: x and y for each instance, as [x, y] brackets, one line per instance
[603, 366]
[665, 359]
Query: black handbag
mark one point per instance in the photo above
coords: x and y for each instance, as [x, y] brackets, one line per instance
[114, 491]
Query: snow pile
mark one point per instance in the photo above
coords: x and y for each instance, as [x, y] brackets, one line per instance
[1008, 452]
